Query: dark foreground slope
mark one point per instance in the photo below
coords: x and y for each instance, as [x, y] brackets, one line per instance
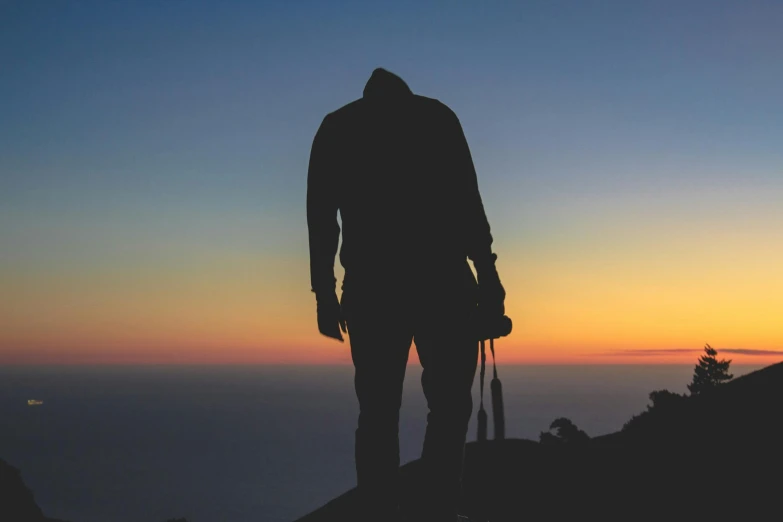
[714, 457]
[17, 503]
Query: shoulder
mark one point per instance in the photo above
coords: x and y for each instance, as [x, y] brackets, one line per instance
[336, 122]
[349, 115]
[435, 107]
[345, 115]
[439, 113]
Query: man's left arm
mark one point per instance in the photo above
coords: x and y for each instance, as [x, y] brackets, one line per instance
[478, 237]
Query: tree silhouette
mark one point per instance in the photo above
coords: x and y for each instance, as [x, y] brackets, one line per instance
[567, 432]
[709, 373]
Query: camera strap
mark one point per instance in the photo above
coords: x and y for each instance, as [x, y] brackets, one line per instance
[498, 416]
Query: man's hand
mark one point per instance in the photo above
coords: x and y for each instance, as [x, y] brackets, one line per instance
[490, 319]
[491, 294]
[330, 316]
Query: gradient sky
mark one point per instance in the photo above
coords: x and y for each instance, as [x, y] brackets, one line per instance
[153, 162]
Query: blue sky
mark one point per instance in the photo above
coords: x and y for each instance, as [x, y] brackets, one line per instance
[132, 133]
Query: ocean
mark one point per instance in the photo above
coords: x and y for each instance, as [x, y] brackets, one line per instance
[252, 443]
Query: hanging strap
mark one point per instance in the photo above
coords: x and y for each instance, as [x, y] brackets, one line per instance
[492, 349]
[498, 415]
[483, 368]
[497, 397]
[481, 375]
[482, 414]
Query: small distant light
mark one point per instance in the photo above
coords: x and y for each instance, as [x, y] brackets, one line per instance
[33, 402]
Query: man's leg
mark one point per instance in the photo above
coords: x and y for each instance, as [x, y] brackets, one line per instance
[448, 356]
[380, 341]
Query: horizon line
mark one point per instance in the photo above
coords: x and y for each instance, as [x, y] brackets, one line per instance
[643, 362]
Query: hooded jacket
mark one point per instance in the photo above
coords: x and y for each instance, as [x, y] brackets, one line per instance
[398, 169]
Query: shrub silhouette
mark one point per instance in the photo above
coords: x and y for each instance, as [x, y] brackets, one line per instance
[664, 399]
[566, 433]
[664, 405]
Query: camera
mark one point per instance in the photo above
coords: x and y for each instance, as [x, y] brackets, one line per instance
[491, 327]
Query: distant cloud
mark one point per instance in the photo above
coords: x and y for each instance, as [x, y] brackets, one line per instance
[669, 351]
[653, 351]
[745, 351]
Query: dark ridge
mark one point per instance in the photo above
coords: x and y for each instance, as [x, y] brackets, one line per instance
[715, 456]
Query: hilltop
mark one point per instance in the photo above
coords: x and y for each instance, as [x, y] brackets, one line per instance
[716, 456]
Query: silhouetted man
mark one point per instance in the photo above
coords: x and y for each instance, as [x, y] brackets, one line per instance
[398, 168]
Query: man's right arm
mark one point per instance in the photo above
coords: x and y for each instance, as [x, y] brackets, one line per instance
[322, 206]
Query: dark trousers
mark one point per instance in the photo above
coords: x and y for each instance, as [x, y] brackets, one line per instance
[381, 330]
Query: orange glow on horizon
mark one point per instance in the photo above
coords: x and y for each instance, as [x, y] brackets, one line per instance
[325, 351]
[595, 293]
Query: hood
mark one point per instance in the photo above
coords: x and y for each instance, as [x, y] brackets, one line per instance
[385, 85]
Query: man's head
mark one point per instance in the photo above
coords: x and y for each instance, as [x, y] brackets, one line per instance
[386, 85]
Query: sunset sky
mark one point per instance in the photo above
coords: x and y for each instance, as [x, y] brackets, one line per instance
[153, 163]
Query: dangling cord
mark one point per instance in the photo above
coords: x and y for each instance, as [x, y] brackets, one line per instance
[482, 414]
[494, 365]
[498, 416]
